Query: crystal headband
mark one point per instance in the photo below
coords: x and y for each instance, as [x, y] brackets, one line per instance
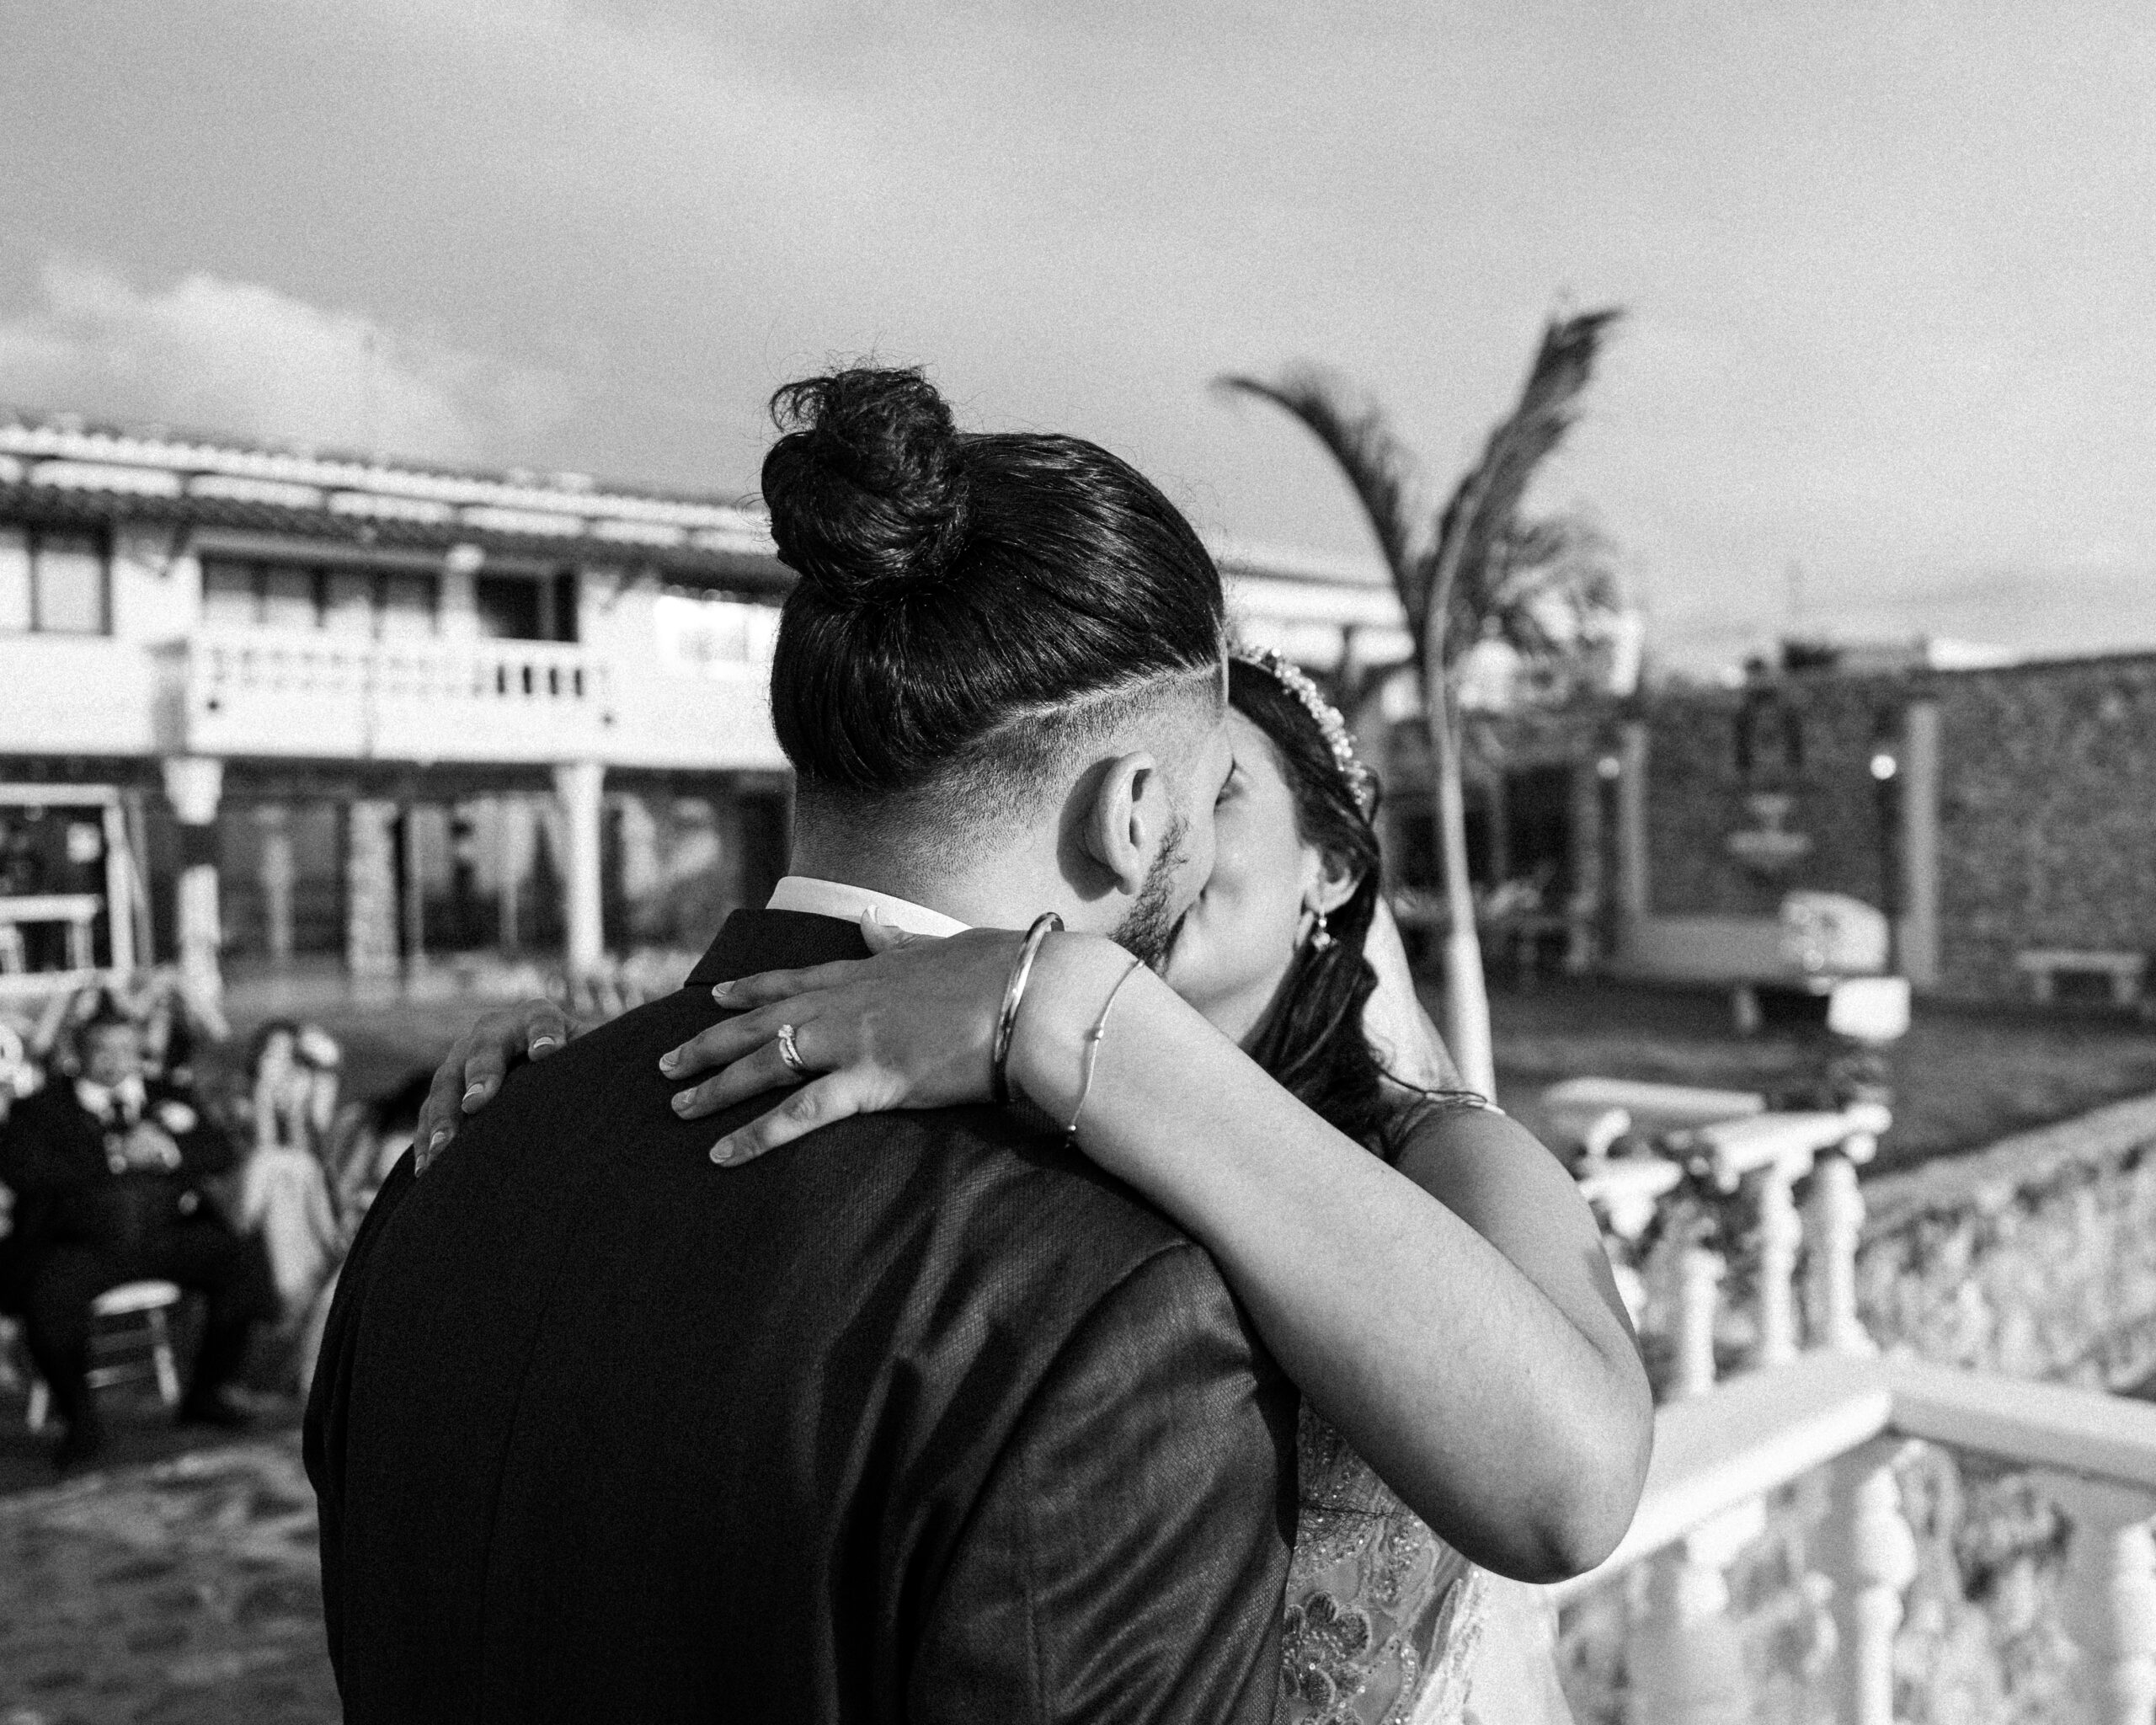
[1362, 785]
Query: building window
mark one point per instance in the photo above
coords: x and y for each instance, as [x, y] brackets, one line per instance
[54, 582]
[369, 604]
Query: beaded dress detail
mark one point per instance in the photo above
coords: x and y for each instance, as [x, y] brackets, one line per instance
[1382, 1615]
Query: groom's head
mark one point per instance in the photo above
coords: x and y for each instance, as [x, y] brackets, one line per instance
[999, 678]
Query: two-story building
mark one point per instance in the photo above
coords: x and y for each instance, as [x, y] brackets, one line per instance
[266, 709]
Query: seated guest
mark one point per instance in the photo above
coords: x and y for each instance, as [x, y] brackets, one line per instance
[107, 1171]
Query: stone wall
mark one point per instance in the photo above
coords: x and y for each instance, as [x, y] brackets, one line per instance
[1810, 739]
[2047, 816]
[2035, 1257]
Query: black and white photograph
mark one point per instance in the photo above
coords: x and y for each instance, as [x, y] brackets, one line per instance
[1004, 863]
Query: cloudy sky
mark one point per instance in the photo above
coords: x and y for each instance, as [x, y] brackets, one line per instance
[1889, 270]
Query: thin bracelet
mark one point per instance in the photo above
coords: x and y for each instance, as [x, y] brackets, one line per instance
[1094, 1038]
[1006, 1021]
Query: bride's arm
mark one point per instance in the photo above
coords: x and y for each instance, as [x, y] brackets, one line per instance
[1459, 1325]
[1456, 1321]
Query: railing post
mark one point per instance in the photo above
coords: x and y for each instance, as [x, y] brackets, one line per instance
[1696, 1271]
[1871, 1556]
[1836, 1226]
[1781, 1233]
[2108, 1598]
[1686, 1663]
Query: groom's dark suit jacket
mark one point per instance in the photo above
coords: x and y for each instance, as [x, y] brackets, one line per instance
[920, 1418]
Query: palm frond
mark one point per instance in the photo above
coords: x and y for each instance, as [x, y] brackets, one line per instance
[1378, 467]
[1470, 552]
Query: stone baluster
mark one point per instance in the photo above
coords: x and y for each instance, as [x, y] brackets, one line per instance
[1871, 1555]
[1696, 1272]
[1836, 1225]
[1685, 1662]
[1781, 1234]
[2108, 1598]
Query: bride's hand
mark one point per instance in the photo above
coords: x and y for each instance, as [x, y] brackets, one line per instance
[477, 1061]
[911, 1027]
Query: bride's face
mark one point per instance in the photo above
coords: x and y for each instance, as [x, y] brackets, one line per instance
[1240, 937]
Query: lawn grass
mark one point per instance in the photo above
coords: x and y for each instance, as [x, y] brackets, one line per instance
[1964, 1077]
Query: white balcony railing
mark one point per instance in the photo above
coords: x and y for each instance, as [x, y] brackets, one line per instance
[263, 692]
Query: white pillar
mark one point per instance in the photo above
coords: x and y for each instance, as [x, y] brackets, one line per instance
[2108, 1598]
[275, 876]
[194, 785]
[1685, 1662]
[371, 891]
[1919, 943]
[1836, 1219]
[578, 784]
[1869, 1553]
[1697, 1293]
[1781, 1234]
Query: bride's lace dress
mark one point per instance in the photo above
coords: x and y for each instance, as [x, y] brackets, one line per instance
[1387, 1624]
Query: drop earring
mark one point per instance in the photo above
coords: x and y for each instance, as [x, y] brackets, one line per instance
[1321, 936]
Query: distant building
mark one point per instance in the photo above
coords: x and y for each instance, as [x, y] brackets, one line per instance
[268, 711]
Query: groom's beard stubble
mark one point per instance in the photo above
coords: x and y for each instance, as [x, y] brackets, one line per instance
[1150, 931]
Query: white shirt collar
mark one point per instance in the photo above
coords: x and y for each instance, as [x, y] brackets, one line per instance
[834, 898]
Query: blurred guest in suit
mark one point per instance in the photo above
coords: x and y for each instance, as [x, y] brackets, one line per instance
[107, 1171]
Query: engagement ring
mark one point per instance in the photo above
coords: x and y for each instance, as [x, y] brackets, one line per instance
[789, 1052]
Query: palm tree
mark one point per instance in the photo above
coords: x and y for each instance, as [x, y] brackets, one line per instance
[1475, 564]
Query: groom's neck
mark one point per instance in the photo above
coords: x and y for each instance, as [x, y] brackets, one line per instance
[1006, 888]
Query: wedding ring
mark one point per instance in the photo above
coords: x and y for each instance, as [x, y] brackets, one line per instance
[790, 1053]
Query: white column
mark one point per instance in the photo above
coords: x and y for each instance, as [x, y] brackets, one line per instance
[370, 892]
[194, 785]
[275, 876]
[1918, 945]
[1868, 1551]
[1781, 1234]
[1685, 1662]
[1695, 1296]
[1836, 1219]
[578, 784]
[2108, 1599]
[458, 617]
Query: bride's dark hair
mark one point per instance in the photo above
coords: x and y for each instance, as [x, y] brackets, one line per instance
[1312, 1042]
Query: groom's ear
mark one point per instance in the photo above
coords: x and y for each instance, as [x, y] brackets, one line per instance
[1128, 819]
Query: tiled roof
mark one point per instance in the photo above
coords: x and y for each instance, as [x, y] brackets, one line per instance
[60, 468]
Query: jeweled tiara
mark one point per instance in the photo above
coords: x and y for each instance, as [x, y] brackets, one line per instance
[1361, 783]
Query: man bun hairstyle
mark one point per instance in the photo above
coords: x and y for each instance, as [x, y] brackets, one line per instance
[963, 595]
[875, 501]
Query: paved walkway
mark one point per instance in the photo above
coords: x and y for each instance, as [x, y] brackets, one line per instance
[178, 1591]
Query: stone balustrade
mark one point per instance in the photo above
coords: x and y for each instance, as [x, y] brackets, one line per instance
[1664, 1214]
[1843, 1433]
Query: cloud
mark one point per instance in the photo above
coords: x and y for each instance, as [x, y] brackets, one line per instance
[213, 354]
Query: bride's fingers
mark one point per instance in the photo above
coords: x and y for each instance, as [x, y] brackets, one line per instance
[835, 1096]
[766, 987]
[722, 1044]
[761, 1070]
